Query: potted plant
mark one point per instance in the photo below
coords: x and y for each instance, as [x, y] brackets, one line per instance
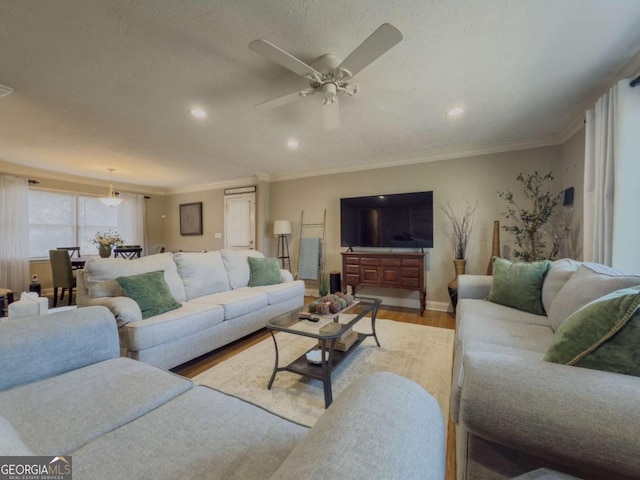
[461, 225]
[106, 241]
[532, 225]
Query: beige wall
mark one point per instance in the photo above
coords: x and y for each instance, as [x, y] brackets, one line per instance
[572, 175]
[474, 179]
[212, 221]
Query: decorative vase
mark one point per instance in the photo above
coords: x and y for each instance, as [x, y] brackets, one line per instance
[495, 246]
[460, 265]
[104, 251]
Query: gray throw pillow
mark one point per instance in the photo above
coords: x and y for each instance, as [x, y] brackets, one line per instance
[518, 285]
[589, 282]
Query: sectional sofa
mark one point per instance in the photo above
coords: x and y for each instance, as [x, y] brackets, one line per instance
[514, 411]
[65, 390]
[216, 304]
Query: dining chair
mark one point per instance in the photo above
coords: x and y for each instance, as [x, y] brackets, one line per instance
[128, 251]
[62, 274]
[72, 251]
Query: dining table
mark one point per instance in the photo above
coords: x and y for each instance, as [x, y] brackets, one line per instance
[78, 262]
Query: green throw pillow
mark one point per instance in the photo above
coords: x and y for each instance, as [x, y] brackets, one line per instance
[518, 285]
[264, 271]
[602, 335]
[150, 291]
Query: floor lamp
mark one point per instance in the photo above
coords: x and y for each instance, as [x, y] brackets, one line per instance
[282, 228]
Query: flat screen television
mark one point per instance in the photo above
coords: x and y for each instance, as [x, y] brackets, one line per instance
[402, 220]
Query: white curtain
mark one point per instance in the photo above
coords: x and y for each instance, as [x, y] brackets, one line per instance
[14, 233]
[612, 169]
[131, 220]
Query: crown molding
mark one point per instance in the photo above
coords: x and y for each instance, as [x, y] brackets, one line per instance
[242, 182]
[38, 173]
[425, 157]
[572, 128]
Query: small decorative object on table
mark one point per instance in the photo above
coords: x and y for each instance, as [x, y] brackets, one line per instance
[345, 341]
[330, 304]
[106, 241]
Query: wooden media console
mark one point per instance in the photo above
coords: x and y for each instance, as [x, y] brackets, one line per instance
[389, 270]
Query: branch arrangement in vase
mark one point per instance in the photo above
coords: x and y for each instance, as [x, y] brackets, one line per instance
[461, 226]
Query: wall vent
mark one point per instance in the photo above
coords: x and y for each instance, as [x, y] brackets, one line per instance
[4, 91]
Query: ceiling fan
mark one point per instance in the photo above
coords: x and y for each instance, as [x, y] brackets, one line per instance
[328, 75]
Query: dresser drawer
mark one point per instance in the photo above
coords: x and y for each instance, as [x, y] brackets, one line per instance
[352, 269]
[410, 272]
[391, 262]
[410, 262]
[369, 261]
[351, 279]
[352, 260]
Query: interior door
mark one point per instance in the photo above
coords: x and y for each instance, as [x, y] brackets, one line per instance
[240, 221]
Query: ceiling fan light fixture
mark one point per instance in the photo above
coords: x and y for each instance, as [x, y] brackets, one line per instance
[111, 200]
[455, 112]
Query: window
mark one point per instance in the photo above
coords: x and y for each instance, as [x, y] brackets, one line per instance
[66, 220]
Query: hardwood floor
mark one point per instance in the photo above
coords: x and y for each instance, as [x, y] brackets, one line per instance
[399, 314]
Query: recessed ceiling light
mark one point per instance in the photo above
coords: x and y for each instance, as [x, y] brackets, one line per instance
[198, 112]
[293, 143]
[454, 112]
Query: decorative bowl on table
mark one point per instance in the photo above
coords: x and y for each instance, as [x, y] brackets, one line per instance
[315, 356]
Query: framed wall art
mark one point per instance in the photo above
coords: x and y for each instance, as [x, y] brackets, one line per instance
[191, 218]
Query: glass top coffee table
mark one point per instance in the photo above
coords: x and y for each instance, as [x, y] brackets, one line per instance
[293, 322]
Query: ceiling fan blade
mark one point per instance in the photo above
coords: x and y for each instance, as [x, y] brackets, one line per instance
[283, 58]
[276, 102]
[378, 43]
[331, 111]
[368, 86]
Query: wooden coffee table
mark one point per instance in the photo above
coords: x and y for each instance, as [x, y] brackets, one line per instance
[291, 322]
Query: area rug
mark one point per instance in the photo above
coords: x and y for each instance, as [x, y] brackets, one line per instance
[418, 352]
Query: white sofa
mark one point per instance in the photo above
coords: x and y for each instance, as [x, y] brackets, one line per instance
[217, 305]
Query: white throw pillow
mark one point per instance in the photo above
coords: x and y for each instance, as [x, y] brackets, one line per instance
[202, 273]
[237, 266]
[589, 282]
[557, 276]
[100, 274]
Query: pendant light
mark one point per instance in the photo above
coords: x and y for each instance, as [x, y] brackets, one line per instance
[111, 199]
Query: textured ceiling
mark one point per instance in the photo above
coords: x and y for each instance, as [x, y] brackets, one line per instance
[101, 84]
